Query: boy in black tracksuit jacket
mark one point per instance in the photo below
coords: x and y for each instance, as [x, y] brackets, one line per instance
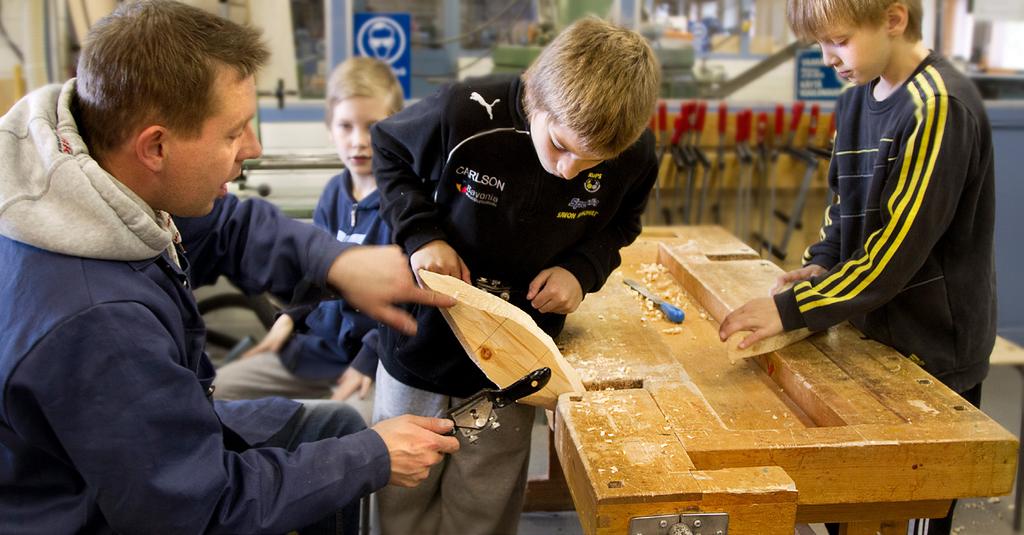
[527, 209]
[909, 247]
[906, 250]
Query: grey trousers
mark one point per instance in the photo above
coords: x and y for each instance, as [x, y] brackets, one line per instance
[262, 375]
[476, 491]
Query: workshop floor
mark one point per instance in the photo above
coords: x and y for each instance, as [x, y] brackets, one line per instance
[1001, 400]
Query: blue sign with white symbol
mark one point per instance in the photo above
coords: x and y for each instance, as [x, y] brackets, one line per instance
[385, 36]
[701, 37]
[814, 79]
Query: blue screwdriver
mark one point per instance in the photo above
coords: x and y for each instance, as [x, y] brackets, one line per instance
[672, 312]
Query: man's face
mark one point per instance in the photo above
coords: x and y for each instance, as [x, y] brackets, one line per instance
[558, 148]
[350, 125]
[859, 55]
[197, 171]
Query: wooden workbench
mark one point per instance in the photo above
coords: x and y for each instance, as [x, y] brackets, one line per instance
[833, 428]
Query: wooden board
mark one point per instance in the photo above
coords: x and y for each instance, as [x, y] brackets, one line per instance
[723, 284]
[865, 435]
[503, 340]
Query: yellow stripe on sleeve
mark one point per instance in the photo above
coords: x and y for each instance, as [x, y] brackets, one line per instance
[861, 151]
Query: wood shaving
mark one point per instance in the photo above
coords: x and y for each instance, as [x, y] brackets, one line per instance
[672, 330]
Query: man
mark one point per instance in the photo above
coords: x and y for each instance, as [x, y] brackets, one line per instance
[106, 422]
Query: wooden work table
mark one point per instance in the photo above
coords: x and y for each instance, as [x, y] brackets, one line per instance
[832, 428]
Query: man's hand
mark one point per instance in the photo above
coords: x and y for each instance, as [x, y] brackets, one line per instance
[788, 279]
[373, 278]
[555, 290]
[350, 382]
[758, 315]
[439, 257]
[275, 338]
[415, 443]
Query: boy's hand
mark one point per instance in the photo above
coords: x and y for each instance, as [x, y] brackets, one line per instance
[759, 316]
[374, 278]
[439, 257]
[415, 443]
[788, 279]
[555, 290]
[275, 338]
[350, 382]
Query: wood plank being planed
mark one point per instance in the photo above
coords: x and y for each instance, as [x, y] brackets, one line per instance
[722, 285]
[503, 340]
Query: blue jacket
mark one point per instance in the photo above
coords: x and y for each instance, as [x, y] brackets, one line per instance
[106, 423]
[333, 335]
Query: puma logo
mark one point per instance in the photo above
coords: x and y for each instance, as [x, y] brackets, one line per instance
[477, 98]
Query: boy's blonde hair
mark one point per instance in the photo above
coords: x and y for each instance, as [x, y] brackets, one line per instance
[360, 76]
[599, 81]
[811, 20]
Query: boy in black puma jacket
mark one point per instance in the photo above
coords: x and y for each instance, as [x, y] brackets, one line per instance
[524, 187]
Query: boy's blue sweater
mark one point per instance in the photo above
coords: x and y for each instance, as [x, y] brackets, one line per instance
[908, 240]
[333, 335]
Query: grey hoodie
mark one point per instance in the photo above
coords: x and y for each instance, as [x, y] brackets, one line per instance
[54, 196]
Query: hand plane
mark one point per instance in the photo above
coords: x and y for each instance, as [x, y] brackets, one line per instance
[477, 413]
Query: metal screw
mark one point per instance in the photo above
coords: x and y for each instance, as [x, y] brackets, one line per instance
[679, 529]
[663, 523]
[696, 523]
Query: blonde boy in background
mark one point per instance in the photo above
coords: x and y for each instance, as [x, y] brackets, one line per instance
[313, 350]
[906, 253]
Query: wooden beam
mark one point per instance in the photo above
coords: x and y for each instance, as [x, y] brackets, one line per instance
[867, 512]
[551, 492]
[724, 285]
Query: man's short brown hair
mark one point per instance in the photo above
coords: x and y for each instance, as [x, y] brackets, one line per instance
[360, 76]
[156, 62]
[811, 20]
[599, 81]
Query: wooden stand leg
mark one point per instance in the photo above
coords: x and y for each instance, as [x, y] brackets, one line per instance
[552, 493]
[895, 527]
[1018, 498]
[890, 527]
